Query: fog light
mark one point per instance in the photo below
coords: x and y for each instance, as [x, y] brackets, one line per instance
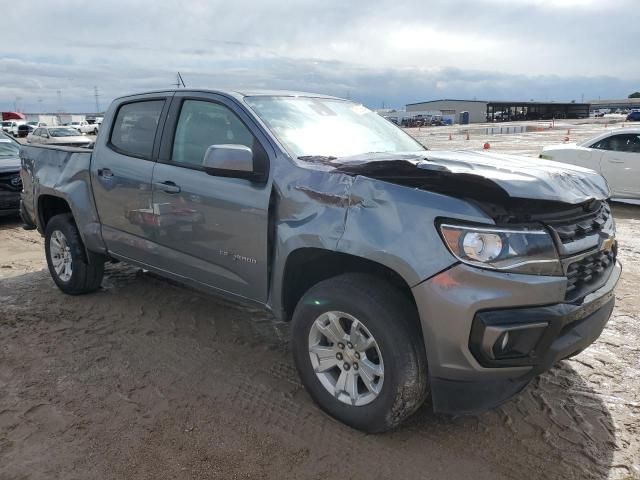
[512, 341]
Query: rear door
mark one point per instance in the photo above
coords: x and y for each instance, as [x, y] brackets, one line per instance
[620, 165]
[121, 172]
[212, 230]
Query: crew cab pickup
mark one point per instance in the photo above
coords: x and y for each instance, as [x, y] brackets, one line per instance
[407, 273]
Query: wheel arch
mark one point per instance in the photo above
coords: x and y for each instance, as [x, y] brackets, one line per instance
[306, 266]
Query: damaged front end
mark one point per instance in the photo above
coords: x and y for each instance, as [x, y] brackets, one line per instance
[485, 331]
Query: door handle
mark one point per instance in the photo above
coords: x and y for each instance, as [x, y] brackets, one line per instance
[105, 173]
[168, 186]
[613, 160]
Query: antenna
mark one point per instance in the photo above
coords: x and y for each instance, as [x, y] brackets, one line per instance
[97, 95]
[179, 81]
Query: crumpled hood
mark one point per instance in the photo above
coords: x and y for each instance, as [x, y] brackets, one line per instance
[474, 174]
[9, 164]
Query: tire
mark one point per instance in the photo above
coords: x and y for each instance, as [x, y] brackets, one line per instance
[82, 276]
[392, 322]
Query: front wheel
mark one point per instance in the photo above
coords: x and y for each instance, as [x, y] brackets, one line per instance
[359, 351]
[67, 258]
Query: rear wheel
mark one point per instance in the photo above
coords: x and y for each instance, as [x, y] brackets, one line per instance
[67, 258]
[359, 351]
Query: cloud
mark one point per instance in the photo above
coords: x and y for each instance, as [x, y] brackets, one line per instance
[384, 51]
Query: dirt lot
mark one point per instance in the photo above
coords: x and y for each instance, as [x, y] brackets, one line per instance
[147, 379]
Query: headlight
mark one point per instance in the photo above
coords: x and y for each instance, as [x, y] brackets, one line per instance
[512, 250]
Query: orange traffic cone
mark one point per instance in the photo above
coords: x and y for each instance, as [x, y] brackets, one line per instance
[486, 146]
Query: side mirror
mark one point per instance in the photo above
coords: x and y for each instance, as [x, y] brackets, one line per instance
[234, 161]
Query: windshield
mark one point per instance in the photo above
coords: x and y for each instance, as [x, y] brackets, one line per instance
[8, 148]
[309, 126]
[63, 132]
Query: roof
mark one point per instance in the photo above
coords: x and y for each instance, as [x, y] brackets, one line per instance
[500, 102]
[239, 93]
[448, 100]
[622, 101]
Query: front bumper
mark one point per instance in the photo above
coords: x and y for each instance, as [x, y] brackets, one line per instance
[465, 381]
[9, 203]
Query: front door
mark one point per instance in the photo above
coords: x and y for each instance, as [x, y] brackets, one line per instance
[215, 228]
[620, 165]
[121, 171]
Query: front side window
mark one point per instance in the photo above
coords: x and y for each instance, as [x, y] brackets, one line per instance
[202, 124]
[620, 143]
[134, 129]
[629, 143]
[309, 126]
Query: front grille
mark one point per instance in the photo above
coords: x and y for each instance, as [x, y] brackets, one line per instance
[589, 222]
[587, 273]
[10, 182]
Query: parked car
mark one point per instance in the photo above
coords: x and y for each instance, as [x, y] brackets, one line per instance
[614, 154]
[61, 136]
[25, 129]
[11, 126]
[85, 127]
[10, 181]
[386, 257]
[633, 117]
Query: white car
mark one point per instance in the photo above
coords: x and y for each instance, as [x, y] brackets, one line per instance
[85, 127]
[614, 154]
[60, 136]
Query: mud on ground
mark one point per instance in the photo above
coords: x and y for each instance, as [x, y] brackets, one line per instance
[146, 379]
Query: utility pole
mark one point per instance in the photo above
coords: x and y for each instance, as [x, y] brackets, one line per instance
[97, 95]
[59, 94]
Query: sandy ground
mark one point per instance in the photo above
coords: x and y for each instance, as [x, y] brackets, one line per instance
[146, 379]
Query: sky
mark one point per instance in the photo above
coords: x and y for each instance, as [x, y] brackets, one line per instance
[54, 53]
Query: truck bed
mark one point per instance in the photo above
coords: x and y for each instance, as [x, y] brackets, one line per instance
[64, 173]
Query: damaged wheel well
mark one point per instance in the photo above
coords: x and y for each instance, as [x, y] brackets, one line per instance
[307, 266]
[49, 206]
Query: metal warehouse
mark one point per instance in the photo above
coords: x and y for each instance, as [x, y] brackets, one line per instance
[452, 108]
[486, 110]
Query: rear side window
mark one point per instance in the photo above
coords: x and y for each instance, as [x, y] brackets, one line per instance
[134, 129]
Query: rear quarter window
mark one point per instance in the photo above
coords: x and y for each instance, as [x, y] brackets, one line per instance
[134, 128]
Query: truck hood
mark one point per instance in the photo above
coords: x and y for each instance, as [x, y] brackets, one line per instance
[9, 164]
[480, 175]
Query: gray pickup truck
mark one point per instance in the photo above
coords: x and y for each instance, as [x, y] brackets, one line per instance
[406, 273]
